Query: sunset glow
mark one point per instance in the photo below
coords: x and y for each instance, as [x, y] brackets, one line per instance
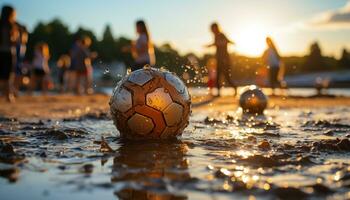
[250, 40]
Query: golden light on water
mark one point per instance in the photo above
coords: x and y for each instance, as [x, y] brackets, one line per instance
[244, 153]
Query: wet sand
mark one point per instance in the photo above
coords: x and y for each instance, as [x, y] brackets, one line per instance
[72, 106]
[66, 147]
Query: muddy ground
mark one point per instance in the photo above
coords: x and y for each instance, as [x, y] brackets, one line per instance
[58, 147]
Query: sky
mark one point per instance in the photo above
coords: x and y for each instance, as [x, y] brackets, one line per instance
[293, 24]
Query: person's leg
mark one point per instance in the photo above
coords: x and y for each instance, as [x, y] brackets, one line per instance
[272, 86]
[2, 87]
[60, 80]
[11, 81]
[273, 78]
[6, 62]
[78, 83]
[218, 80]
[18, 78]
[44, 83]
[17, 84]
[72, 77]
[32, 83]
[4, 84]
[7, 90]
[89, 78]
[65, 81]
[229, 79]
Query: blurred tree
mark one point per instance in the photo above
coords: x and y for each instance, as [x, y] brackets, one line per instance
[124, 57]
[315, 60]
[169, 58]
[344, 61]
[55, 33]
[107, 46]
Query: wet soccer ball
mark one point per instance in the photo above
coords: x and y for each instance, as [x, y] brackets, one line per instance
[253, 100]
[150, 104]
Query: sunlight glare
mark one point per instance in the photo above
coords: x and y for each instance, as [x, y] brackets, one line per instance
[250, 40]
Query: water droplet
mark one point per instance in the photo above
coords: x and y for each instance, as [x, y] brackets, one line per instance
[147, 67]
[163, 69]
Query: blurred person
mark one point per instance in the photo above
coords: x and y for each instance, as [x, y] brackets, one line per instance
[63, 65]
[71, 71]
[21, 48]
[273, 61]
[142, 49]
[41, 70]
[81, 63]
[223, 61]
[8, 38]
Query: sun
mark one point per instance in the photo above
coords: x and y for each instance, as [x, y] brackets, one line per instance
[250, 39]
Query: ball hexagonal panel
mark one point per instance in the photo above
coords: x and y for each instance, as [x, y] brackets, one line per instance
[140, 124]
[186, 94]
[169, 132]
[158, 99]
[122, 100]
[175, 82]
[173, 114]
[140, 77]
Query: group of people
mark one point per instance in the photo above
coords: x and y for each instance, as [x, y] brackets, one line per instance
[75, 68]
[143, 53]
[223, 67]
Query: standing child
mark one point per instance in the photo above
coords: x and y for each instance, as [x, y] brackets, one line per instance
[142, 49]
[41, 69]
[63, 65]
[223, 61]
[81, 62]
[21, 47]
[273, 61]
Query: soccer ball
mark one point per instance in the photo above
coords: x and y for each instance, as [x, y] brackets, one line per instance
[150, 104]
[253, 100]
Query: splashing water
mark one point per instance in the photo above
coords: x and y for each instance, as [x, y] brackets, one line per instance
[106, 71]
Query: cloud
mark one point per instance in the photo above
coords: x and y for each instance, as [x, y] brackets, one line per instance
[336, 19]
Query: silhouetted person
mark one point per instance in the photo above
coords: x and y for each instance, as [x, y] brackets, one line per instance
[74, 59]
[8, 38]
[21, 48]
[41, 70]
[223, 62]
[142, 49]
[273, 62]
[81, 63]
[63, 65]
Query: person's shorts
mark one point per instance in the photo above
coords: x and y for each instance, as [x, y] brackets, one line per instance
[6, 63]
[39, 72]
[84, 72]
[18, 70]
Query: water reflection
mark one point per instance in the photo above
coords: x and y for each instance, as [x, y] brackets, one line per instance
[150, 170]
